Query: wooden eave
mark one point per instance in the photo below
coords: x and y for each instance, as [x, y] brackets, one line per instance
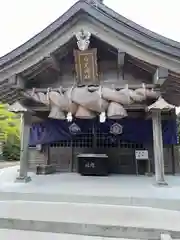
[8, 94]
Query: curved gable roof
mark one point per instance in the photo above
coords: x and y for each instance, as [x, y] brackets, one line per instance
[108, 17]
[139, 28]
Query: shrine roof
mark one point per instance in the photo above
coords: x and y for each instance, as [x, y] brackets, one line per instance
[144, 47]
[108, 17]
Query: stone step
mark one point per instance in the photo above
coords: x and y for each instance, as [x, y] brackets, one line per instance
[10, 234]
[29, 235]
[90, 219]
[87, 230]
[171, 204]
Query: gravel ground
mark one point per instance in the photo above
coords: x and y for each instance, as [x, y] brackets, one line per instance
[5, 164]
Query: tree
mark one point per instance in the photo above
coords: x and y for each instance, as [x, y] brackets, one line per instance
[9, 124]
[9, 133]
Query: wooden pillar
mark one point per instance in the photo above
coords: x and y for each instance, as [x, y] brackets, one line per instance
[158, 148]
[25, 133]
[121, 58]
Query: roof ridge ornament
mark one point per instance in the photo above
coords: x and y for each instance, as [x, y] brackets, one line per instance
[95, 3]
[83, 39]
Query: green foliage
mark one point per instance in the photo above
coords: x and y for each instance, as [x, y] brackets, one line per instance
[9, 133]
[11, 150]
[9, 123]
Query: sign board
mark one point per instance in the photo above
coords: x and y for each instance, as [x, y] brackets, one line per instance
[141, 154]
[38, 147]
[86, 66]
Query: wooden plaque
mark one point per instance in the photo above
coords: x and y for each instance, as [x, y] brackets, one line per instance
[86, 66]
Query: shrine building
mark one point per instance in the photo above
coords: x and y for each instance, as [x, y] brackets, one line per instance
[97, 94]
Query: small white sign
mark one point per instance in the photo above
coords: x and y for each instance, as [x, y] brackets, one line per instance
[38, 147]
[141, 154]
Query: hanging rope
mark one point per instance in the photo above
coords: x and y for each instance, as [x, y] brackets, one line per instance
[102, 114]
[33, 92]
[47, 95]
[100, 94]
[69, 114]
[144, 88]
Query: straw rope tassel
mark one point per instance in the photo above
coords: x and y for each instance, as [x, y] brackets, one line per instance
[102, 114]
[144, 87]
[47, 95]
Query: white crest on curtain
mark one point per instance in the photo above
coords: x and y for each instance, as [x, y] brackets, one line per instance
[74, 128]
[116, 129]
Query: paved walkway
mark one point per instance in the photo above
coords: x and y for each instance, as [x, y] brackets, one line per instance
[75, 184]
[7, 234]
[5, 164]
[71, 187]
[104, 215]
[98, 201]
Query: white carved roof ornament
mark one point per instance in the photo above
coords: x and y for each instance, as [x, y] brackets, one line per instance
[161, 104]
[17, 108]
[83, 39]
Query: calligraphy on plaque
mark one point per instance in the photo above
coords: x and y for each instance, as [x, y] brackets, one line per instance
[90, 165]
[86, 66]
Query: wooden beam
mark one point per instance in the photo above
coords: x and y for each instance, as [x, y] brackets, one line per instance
[53, 63]
[9, 98]
[121, 58]
[130, 86]
[171, 87]
[160, 76]
[9, 94]
[36, 72]
[141, 65]
[38, 108]
[16, 82]
[20, 82]
[49, 62]
[6, 84]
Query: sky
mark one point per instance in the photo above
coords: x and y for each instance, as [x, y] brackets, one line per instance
[22, 19]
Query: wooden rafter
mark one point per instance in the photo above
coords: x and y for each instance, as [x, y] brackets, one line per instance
[49, 62]
[160, 76]
[172, 89]
[52, 63]
[141, 64]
